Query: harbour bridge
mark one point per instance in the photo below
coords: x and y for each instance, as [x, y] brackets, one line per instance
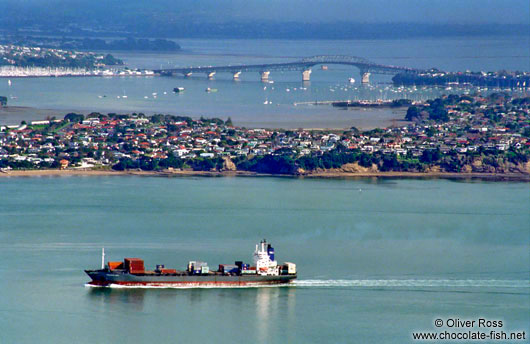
[365, 67]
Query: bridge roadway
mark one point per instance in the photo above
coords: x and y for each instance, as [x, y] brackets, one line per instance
[365, 67]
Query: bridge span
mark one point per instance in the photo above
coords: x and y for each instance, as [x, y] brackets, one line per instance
[365, 66]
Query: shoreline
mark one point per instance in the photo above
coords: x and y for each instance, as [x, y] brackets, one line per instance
[516, 177]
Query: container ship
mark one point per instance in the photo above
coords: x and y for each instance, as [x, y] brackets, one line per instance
[132, 273]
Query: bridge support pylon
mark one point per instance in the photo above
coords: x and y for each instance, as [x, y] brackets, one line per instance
[236, 75]
[265, 75]
[365, 78]
[306, 75]
[210, 75]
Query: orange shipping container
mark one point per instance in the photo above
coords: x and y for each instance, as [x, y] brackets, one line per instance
[168, 271]
[115, 265]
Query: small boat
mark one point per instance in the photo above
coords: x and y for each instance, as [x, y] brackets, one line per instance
[351, 80]
[178, 89]
[209, 90]
[9, 82]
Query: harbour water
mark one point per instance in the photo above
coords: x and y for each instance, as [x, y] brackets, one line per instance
[377, 258]
[249, 102]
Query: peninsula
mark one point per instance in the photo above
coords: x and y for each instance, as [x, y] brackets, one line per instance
[453, 136]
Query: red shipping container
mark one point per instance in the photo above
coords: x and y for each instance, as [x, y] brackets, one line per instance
[137, 271]
[134, 264]
[168, 271]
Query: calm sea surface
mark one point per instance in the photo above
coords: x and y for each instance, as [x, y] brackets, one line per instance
[244, 100]
[377, 259]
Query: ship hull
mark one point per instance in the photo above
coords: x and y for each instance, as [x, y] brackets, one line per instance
[104, 278]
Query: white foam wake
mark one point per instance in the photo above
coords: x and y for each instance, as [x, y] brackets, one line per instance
[413, 283]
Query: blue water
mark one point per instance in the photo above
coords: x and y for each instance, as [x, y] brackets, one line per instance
[377, 259]
[244, 100]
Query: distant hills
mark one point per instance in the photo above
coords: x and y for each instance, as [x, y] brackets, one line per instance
[265, 30]
[251, 19]
[91, 44]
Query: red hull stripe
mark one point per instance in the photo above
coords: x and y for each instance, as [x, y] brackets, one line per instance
[182, 283]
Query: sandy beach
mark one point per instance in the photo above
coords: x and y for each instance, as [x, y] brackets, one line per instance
[321, 174]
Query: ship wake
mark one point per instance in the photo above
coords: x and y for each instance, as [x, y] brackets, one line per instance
[414, 283]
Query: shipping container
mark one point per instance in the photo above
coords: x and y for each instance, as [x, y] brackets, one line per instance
[228, 268]
[291, 268]
[205, 269]
[248, 272]
[135, 264]
[168, 271]
[115, 265]
[137, 271]
[196, 265]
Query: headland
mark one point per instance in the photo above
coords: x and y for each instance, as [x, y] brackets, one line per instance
[468, 136]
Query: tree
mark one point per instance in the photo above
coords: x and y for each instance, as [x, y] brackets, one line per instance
[390, 163]
[275, 164]
[412, 113]
[203, 164]
[430, 155]
[73, 117]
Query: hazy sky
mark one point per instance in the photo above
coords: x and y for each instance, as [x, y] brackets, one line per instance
[440, 11]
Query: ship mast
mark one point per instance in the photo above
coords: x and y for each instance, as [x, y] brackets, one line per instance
[103, 258]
